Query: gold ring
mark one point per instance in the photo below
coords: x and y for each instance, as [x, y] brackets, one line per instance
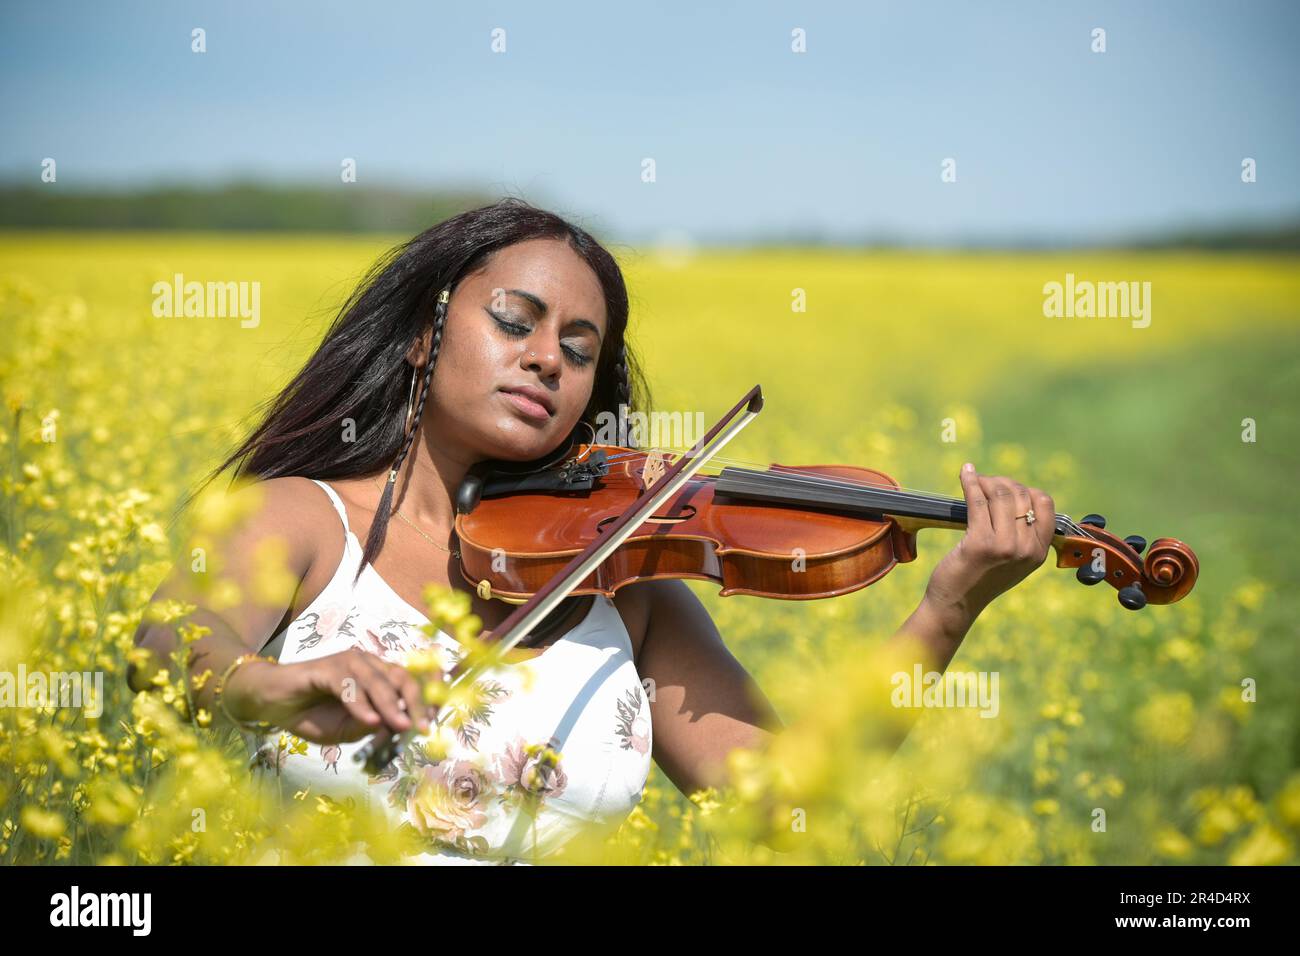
[1028, 516]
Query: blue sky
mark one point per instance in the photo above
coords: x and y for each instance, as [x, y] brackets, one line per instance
[750, 139]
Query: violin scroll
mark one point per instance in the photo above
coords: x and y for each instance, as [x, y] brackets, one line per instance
[1166, 575]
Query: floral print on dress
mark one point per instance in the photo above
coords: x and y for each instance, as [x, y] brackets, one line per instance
[403, 773]
[386, 643]
[530, 773]
[325, 626]
[632, 727]
[391, 640]
[330, 753]
[448, 800]
[464, 718]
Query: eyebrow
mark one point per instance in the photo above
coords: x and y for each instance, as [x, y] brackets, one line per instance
[542, 307]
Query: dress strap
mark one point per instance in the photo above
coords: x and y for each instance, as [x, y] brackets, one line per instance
[338, 504]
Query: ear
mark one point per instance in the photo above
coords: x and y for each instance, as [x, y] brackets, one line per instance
[418, 354]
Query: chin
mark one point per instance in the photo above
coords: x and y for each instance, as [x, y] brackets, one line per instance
[517, 441]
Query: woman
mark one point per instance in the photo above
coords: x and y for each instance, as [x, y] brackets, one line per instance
[494, 335]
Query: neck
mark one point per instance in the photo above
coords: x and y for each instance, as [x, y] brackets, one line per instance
[917, 509]
[429, 477]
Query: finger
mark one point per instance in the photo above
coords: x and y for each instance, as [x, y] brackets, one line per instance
[1045, 515]
[977, 506]
[348, 685]
[1002, 508]
[409, 696]
[383, 694]
[365, 699]
[1026, 534]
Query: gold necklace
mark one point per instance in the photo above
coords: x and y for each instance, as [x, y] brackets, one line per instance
[454, 553]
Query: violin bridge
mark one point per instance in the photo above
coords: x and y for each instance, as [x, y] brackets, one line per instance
[653, 469]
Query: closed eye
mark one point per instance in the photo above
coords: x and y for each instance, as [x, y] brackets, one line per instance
[515, 330]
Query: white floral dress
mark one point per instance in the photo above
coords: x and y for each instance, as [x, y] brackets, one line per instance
[489, 799]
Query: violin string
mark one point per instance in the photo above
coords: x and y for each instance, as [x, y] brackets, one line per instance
[720, 459]
[903, 495]
[854, 483]
[903, 498]
[847, 483]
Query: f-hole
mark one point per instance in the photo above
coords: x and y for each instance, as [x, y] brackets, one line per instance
[653, 519]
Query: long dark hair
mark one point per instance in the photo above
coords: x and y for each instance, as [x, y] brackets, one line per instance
[360, 371]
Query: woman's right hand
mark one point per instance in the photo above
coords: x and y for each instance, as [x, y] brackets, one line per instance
[338, 698]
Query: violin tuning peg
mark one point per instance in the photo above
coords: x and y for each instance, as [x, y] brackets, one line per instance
[1136, 542]
[1097, 521]
[1132, 597]
[1088, 576]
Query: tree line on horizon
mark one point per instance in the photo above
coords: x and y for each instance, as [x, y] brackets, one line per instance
[265, 207]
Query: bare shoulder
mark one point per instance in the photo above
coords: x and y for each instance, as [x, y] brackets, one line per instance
[230, 529]
[292, 509]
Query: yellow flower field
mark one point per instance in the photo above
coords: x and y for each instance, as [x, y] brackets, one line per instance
[1163, 736]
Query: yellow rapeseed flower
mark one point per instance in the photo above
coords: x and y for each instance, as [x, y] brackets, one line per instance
[1265, 846]
[1287, 801]
[42, 823]
[1167, 718]
[1170, 843]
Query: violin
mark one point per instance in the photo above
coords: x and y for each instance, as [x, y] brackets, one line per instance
[598, 517]
[794, 533]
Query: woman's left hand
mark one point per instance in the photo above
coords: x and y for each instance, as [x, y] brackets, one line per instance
[998, 550]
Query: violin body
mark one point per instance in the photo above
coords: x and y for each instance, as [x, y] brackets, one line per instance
[793, 533]
[746, 547]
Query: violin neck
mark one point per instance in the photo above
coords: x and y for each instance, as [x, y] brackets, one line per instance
[912, 510]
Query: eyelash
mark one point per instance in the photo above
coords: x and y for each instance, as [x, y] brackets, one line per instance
[518, 331]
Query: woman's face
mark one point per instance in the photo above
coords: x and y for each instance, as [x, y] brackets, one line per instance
[519, 352]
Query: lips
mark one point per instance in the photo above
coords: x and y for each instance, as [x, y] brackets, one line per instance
[534, 397]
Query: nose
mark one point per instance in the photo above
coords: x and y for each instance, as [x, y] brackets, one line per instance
[541, 354]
